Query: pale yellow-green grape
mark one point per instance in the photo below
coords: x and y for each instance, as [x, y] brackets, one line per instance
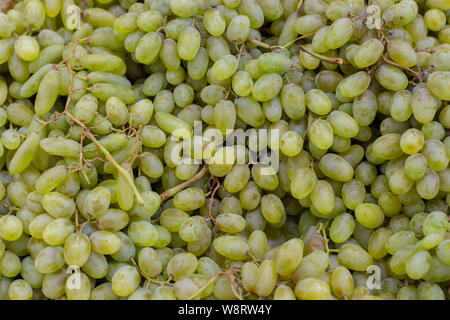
[387, 147]
[49, 260]
[58, 205]
[377, 243]
[238, 29]
[104, 242]
[401, 105]
[149, 262]
[53, 284]
[57, 231]
[434, 19]
[188, 43]
[368, 53]
[342, 227]
[309, 23]
[412, 141]
[293, 101]
[400, 240]
[418, 264]
[369, 215]
[335, 167]
[354, 257]
[225, 67]
[402, 53]
[26, 47]
[189, 199]
[11, 228]
[390, 204]
[437, 83]
[30, 274]
[96, 266]
[424, 105]
[312, 289]
[434, 152]
[442, 252]
[428, 186]
[266, 278]
[125, 196]
[37, 225]
[230, 222]
[258, 244]
[318, 102]
[339, 33]
[125, 281]
[249, 273]
[391, 77]
[321, 134]
[430, 291]
[231, 247]
[400, 14]
[181, 265]
[77, 249]
[341, 282]
[143, 233]
[47, 92]
[20, 290]
[34, 15]
[60, 146]
[399, 183]
[172, 219]
[267, 87]
[274, 62]
[288, 257]
[312, 265]
[86, 108]
[97, 202]
[322, 197]
[291, 143]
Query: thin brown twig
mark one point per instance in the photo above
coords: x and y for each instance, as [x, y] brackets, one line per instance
[338, 61]
[299, 6]
[415, 74]
[172, 191]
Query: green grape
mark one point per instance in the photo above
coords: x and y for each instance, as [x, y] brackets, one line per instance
[125, 281]
[312, 289]
[143, 233]
[20, 290]
[368, 53]
[104, 242]
[341, 282]
[231, 247]
[266, 278]
[181, 265]
[342, 227]
[49, 260]
[339, 33]
[354, 257]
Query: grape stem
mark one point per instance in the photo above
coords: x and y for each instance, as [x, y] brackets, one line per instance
[338, 61]
[259, 43]
[268, 46]
[109, 157]
[294, 41]
[150, 280]
[172, 191]
[299, 6]
[210, 281]
[416, 74]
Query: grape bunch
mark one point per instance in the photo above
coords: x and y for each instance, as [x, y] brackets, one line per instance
[119, 178]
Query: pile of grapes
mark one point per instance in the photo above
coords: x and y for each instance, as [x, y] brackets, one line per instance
[120, 179]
